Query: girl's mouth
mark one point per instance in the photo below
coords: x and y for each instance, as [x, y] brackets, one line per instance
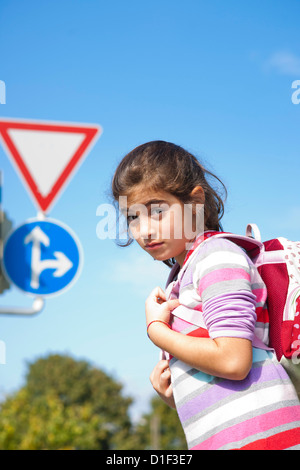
[153, 246]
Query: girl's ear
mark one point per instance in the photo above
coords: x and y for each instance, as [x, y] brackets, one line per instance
[199, 194]
[197, 197]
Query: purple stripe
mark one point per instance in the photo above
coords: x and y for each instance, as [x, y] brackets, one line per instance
[225, 388]
[187, 278]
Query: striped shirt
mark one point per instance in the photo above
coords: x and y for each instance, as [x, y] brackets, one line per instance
[222, 294]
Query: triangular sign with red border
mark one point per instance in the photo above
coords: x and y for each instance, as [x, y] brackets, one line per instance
[46, 154]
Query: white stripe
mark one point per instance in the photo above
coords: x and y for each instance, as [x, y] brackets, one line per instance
[188, 295]
[217, 258]
[178, 369]
[247, 403]
[190, 384]
[189, 315]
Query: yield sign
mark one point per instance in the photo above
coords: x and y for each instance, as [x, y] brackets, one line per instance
[46, 154]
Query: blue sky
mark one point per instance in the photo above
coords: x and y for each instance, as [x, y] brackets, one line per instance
[213, 76]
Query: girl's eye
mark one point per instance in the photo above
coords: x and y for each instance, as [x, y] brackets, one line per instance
[131, 218]
[156, 211]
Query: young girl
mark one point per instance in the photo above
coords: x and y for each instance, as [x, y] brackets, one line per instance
[229, 390]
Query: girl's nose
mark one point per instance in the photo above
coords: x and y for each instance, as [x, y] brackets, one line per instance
[147, 228]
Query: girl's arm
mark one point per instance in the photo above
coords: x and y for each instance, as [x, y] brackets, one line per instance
[230, 358]
[226, 357]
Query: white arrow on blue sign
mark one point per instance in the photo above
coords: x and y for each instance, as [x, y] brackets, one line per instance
[42, 257]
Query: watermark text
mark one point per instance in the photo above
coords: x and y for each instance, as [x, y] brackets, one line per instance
[296, 94]
[154, 221]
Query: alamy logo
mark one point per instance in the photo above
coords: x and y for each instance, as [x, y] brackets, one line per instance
[158, 220]
[2, 92]
[296, 94]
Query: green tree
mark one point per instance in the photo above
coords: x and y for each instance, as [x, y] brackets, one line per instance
[66, 404]
[160, 429]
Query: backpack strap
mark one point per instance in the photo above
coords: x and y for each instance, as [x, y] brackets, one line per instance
[252, 246]
[253, 229]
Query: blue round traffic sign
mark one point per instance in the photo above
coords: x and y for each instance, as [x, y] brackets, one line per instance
[42, 257]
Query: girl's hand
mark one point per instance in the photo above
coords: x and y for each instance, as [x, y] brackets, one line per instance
[158, 308]
[161, 382]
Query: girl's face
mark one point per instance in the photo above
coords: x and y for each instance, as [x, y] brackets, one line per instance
[160, 223]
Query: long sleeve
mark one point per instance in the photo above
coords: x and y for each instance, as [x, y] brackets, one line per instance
[231, 314]
[223, 280]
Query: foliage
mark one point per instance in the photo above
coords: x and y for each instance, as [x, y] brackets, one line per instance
[68, 404]
[161, 428]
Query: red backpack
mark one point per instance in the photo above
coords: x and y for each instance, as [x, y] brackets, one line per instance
[278, 263]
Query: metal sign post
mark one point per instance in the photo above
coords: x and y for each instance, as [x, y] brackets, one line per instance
[37, 307]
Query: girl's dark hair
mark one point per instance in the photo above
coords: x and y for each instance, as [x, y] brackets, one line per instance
[160, 165]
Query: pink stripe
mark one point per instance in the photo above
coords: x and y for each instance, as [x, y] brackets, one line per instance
[261, 294]
[251, 427]
[198, 307]
[179, 324]
[219, 275]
